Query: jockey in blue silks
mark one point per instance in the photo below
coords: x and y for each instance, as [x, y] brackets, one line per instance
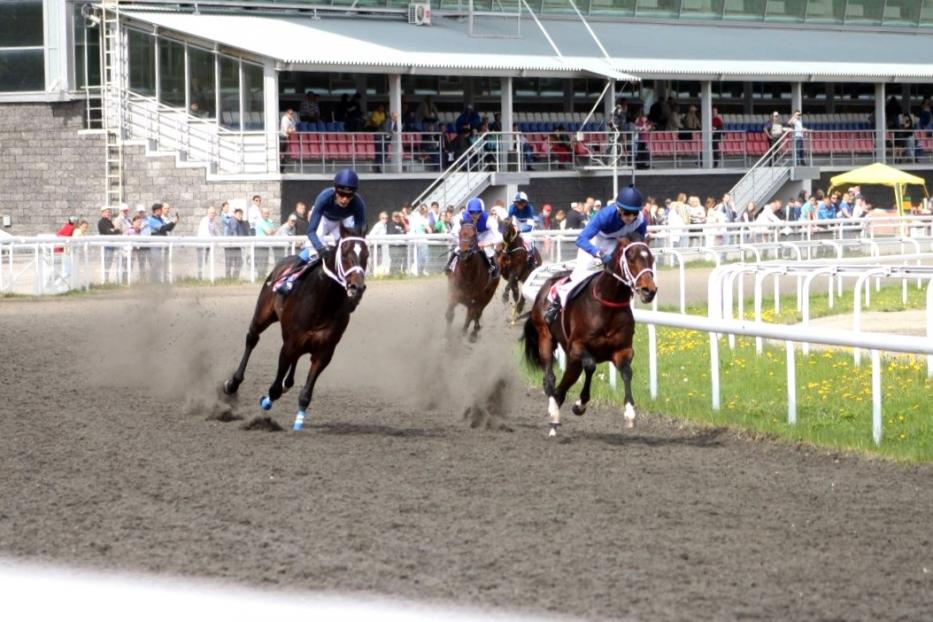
[522, 215]
[598, 241]
[487, 234]
[333, 207]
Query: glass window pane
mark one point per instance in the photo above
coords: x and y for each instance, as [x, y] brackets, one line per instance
[21, 23]
[744, 9]
[141, 63]
[230, 92]
[926, 13]
[171, 73]
[826, 11]
[786, 10]
[203, 89]
[901, 12]
[253, 101]
[705, 9]
[863, 11]
[656, 8]
[612, 7]
[87, 52]
[22, 70]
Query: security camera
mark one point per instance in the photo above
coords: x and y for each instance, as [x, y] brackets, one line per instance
[90, 18]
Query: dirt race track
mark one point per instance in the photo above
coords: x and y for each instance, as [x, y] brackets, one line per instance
[114, 454]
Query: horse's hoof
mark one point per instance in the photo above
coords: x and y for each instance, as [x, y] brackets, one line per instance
[473, 337]
[265, 403]
[299, 421]
[229, 387]
[578, 408]
[552, 432]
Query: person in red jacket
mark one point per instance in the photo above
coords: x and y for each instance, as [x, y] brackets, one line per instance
[66, 231]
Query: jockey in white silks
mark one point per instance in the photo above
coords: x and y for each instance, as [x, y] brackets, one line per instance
[598, 241]
[487, 235]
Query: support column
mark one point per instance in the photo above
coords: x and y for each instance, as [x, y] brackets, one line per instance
[905, 98]
[360, 83]
[880, 123]
[796, 97]
[609, 103]
[706, 121]
[270, 100]
[505, 110]
[830, 97]
[395, 105]
[568, 96]
[748, 97]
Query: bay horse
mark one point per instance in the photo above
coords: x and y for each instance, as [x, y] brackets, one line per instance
[470, 283]
[515, 264]
[595, 326]
[314, 316]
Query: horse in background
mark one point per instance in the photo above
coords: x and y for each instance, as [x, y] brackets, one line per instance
[314, 316]
[595, 326]
[516, 262]
[470, 283]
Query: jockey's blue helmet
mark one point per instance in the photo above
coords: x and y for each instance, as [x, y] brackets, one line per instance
[520, 196]
[475, 206]
[630, 200]
[346, 178]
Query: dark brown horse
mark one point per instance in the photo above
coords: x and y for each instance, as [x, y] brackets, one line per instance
[515, 264]
[314, 316]
[470, 283]
[595, 326]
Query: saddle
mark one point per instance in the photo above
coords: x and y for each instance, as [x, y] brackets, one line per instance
[579, 287]
[293, 274]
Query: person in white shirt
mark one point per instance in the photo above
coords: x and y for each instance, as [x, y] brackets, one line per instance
[254, 213]
[288, 125]
[207, 228]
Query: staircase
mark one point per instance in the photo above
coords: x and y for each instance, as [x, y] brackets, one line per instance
[467, 177]
[767, 176]
[112, 81]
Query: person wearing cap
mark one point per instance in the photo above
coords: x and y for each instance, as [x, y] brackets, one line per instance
[336, 207]
[105, 226]
[487, 236]
[522, 214]
[598, 240]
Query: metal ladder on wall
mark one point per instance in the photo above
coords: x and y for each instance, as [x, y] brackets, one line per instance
[112, 81]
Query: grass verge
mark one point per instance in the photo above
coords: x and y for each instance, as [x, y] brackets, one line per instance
[834, 400]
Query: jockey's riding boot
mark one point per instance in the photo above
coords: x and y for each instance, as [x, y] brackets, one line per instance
[553, 310]
[450, 262]
[493, 269]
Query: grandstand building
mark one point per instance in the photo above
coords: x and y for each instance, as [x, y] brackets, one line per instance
[138, 101]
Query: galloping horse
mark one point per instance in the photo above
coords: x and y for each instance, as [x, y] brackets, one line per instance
[515, 264]
[470, 283]
[594, 327]
[314, 316]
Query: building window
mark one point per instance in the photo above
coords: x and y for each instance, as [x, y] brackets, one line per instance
[203, 89]
[230, 92]
[141, 63]
[171, 73]
[87, 51]
[252, 97]
[22, 40]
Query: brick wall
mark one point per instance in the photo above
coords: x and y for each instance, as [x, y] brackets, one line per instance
[49, 171]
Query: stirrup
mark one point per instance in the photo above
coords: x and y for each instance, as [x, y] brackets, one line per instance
[552, 311]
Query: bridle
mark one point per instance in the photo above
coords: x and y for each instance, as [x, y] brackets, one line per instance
[475, 245]
[341, 273]
[628, 279]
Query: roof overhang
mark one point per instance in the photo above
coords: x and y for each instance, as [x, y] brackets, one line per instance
[378, 45]
[665, 51]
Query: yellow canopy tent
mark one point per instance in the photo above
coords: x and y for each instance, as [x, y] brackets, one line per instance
[880, 175]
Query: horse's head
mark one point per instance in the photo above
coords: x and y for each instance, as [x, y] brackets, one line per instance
[633, 264]
[509, 233]
[466, 241]
[350, 259]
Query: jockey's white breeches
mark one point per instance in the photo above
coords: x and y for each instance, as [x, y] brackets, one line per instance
[586, 264]
[329, 230]
[488, 240]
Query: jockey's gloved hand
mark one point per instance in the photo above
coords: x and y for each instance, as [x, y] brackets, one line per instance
[606, 259]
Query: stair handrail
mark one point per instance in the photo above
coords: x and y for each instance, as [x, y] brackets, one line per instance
[460, 163]
[768, 160]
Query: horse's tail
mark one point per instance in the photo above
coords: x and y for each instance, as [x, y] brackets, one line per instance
[531, 339]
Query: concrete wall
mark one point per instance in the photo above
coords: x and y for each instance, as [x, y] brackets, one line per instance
[50, 170]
